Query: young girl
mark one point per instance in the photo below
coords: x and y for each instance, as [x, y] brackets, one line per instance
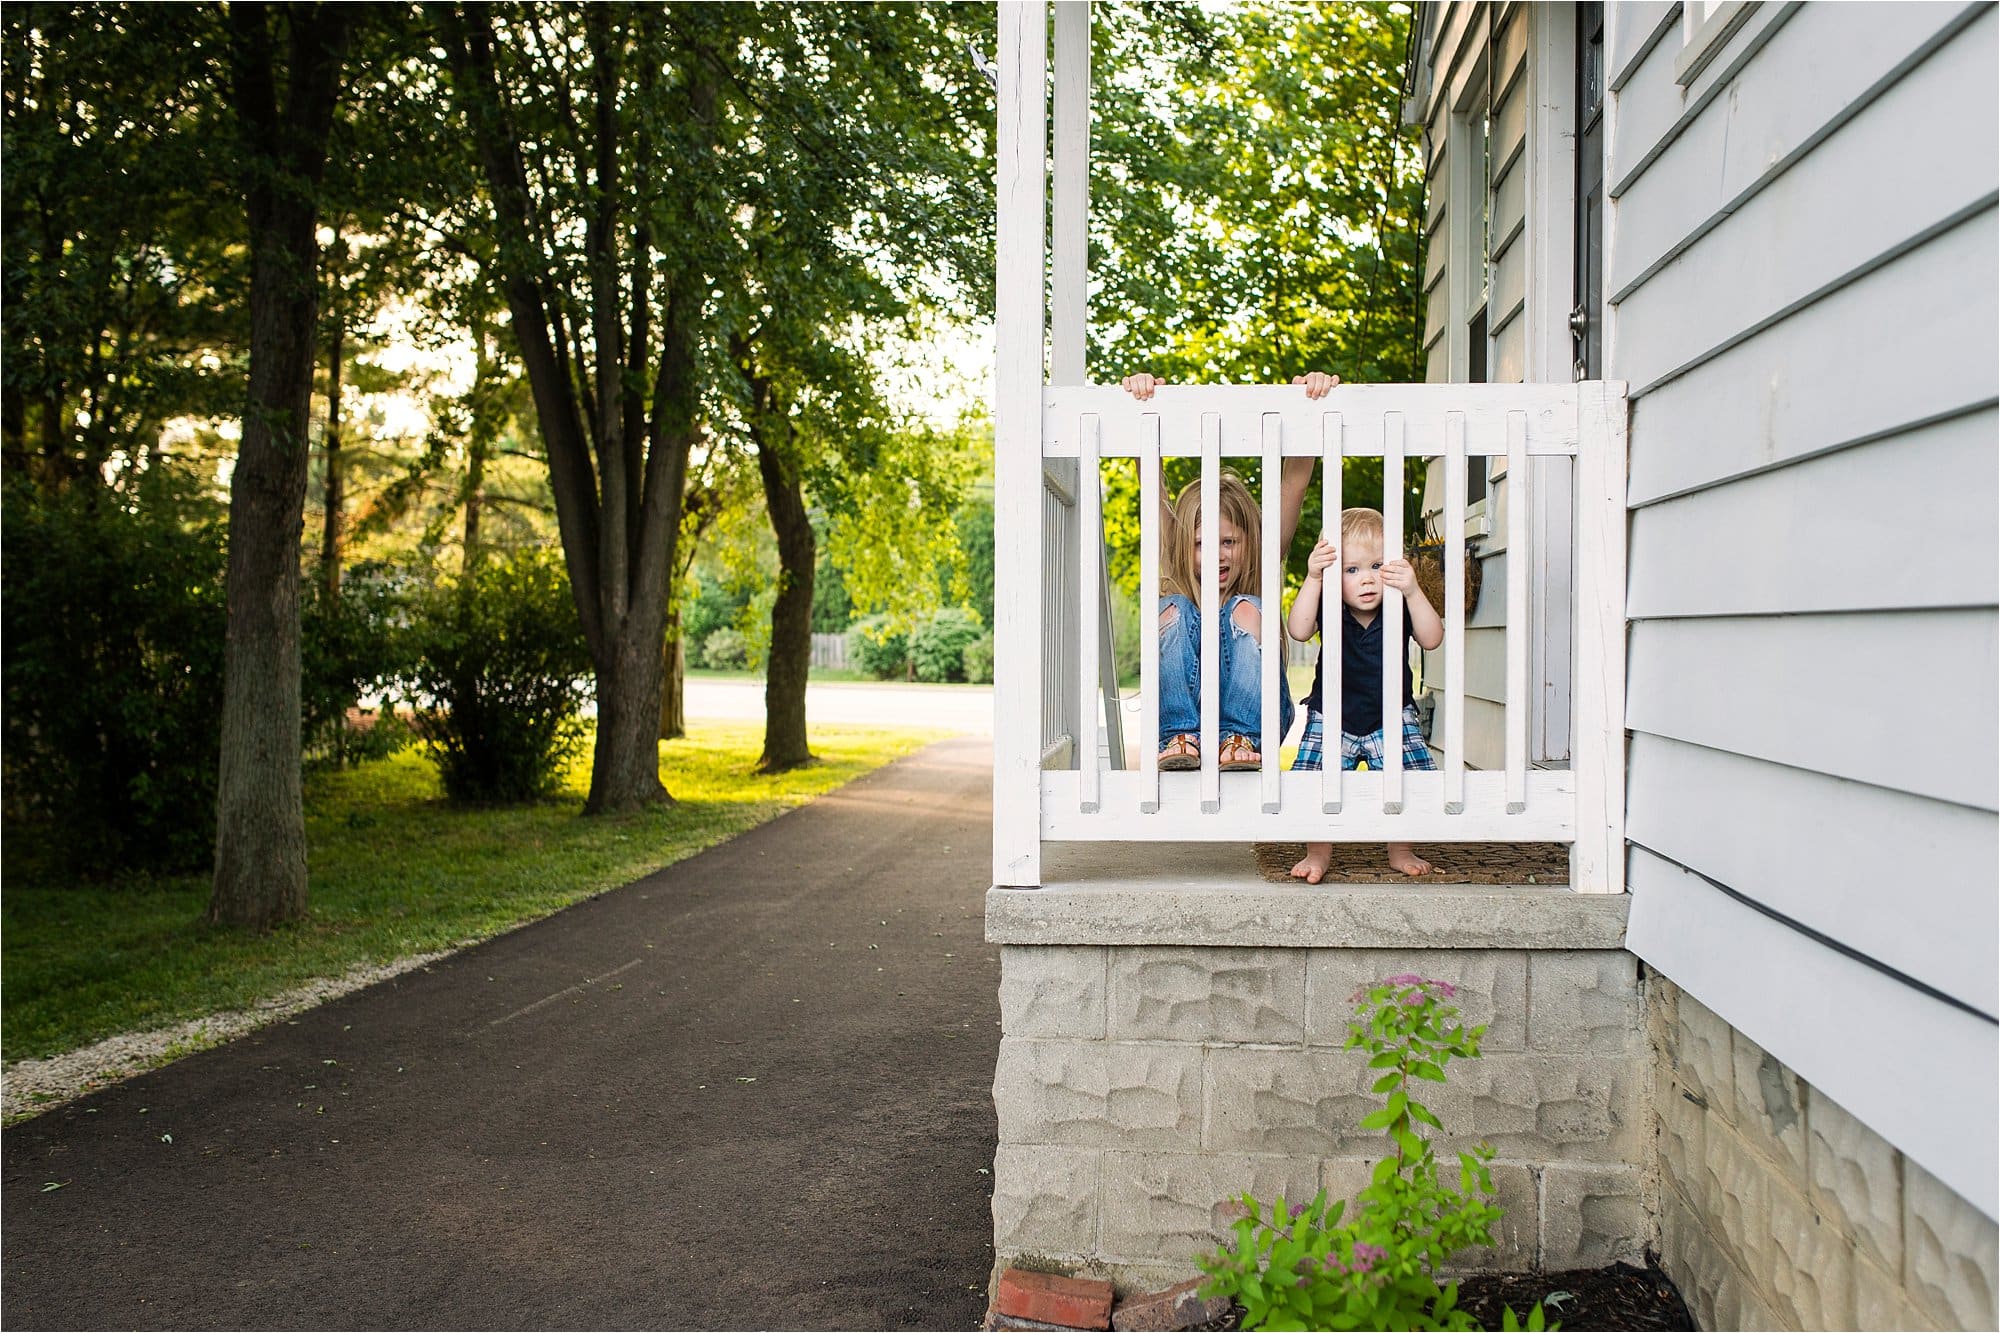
[1239, 574]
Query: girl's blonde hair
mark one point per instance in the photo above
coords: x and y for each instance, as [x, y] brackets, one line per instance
[1180, 571]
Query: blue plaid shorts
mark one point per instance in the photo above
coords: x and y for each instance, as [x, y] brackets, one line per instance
[1354, 749]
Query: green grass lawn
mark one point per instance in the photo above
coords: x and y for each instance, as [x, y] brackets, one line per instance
[395, 871]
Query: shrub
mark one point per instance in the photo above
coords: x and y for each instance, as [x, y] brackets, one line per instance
[724, 650]
[874, 647]
[501, 659]
[938, 644]
[352, 647]
[1304, 1267]
[979, 660]
[113, 625]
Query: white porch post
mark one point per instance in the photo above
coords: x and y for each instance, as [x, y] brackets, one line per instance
[1597, 741]
[1017, 445]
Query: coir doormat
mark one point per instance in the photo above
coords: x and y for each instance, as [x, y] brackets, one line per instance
[1455, 862]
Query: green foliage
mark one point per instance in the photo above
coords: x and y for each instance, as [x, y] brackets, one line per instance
[352, 647]
[501, 660]
[975, 543]
[890, 526]
[833, 609]
[938, 644]
[979, 660]
[113, 625]
[1257, 206]
[724, 650]
[876, 646]
[1312, 1267]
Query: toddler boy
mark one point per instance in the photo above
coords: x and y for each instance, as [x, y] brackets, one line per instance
[1363, 575]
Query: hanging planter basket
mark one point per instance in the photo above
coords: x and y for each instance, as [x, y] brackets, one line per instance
[1427, 560]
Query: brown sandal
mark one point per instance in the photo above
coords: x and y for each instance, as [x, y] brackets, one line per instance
[1181, 752]
[1239, 753]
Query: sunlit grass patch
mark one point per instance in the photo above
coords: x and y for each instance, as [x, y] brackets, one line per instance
[394, 872]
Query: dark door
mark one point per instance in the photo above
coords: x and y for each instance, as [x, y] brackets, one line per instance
[1586, 337]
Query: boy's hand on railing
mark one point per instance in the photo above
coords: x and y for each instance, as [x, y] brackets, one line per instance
[1322, 558]
[1318, 383]
[1399, 575]
[1141, 385]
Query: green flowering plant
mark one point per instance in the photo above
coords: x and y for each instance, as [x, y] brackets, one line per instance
[1310, 1266]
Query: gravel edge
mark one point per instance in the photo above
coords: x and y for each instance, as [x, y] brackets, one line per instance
[30, 1087]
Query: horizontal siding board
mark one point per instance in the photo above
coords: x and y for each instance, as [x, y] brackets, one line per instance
[1918, 1071]
[1510, 202]
[1463, 26]
[1804, 235]
[1634, 29]
[1906, 521]
[1437, 309]
[1648, 106]
[1826, 65]
[1812, 848]
[1508, 361]
[1510, 285]
[1830, 693]
[1510, 126]
[1900, 346]
[1510, 46]
[1437, 369]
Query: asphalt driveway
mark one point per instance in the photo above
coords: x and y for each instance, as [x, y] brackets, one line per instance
[750, 1091]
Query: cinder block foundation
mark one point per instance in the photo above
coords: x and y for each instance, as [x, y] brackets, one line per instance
[1167, 1048]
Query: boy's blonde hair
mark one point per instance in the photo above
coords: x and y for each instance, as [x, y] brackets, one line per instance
[1358, 524]
[1180, 571]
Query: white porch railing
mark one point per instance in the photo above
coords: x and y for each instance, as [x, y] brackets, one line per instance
[1078, 798]
[1049, 783]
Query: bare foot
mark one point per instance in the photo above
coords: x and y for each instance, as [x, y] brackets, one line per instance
[1404, 858]
[1313, 869]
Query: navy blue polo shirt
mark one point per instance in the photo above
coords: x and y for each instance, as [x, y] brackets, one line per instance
[1361, 672]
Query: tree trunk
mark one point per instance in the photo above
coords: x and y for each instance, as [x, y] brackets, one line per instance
[791, 615]
[673, 689]
[260, 846]
[617, 476]
[336, 491]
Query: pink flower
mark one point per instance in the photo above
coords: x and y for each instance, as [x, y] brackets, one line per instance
[1445, 988]
[1413, 999]
[1366, 1256]
[1403, 979]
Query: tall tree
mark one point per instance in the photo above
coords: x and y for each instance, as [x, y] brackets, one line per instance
[286, 70]
[594, 131]
[123, 284]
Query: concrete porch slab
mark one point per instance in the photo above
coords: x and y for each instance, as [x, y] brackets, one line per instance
[1204, 893]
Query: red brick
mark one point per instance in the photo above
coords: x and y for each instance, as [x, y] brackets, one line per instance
[1006, 1323]
[1178, 1307]
[1072, 1302]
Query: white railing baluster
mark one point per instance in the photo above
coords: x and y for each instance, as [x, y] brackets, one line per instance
[1090, 540]
[1273, 629]
[1151, 534]
[1454, 614]
[1518, 559]
[1333, 456]
[1395, 660]
[1210, 572]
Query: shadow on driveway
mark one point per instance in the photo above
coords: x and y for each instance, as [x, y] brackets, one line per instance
[750, 1091]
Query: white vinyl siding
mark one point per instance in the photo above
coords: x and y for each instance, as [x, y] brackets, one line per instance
[1802, 266]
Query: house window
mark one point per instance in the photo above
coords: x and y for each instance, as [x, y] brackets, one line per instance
[1706, 27]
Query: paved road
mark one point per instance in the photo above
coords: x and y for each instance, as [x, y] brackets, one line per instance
[750, 1091]
[961, 708]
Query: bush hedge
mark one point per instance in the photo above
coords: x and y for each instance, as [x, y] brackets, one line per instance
[938, 644]
[501, 662]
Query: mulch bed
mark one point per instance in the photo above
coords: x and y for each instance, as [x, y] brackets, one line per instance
[1618, 1297]
[1456, 862]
